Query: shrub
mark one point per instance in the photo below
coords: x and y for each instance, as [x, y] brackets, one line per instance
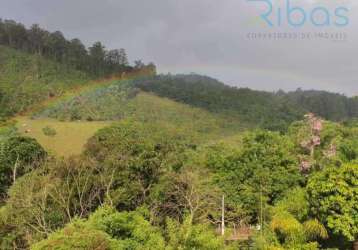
[49, 131]
[18, 155]
[77, 235]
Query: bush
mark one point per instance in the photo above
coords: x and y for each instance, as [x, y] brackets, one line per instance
[106, 229]
[18, 155]
[334, 200]
[48, 131]
[77, 236]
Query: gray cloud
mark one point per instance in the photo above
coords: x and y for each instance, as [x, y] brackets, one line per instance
[209, 37]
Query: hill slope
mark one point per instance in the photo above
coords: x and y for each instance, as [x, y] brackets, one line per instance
[27, 79]
[268, 110]
[119, 100]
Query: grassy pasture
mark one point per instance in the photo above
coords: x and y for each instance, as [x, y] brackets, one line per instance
[70, 136]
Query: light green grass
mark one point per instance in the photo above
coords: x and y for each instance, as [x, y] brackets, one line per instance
[147, 107]
[70, 136]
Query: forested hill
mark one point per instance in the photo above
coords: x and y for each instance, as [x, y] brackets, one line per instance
[96, 61]
[37, 64]
[328, 105]
[269, 110]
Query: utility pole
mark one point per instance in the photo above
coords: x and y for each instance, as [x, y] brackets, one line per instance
[261, 211]
[223, 216]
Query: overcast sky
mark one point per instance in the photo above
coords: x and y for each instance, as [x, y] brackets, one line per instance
[210, 37]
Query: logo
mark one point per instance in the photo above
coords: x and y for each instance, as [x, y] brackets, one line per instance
[285, 13]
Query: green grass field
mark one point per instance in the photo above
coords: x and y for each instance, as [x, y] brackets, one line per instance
[70, 136]
[109, 101]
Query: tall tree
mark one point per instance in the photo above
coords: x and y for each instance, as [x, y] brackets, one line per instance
[57, 46]
[97, 55]
[37, 38]
[123, 59]
[77, 54]
[333, 195]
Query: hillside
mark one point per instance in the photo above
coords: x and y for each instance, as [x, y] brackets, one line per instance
[117, 100]
[273, 111]
[160, 153]
[27, 79]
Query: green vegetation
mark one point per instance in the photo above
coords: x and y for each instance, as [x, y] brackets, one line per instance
[48, 131]
[333, 196]
[274, 111]
[27, 79]
[36, 65]
[165, 162]
[96, 61]
[108, 229]
[18, 155]
[163, 190]
[119, 100]
[263, 169]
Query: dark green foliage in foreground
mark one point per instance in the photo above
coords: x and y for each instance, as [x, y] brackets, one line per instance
[110, 230]
[263, 170]
[106, 229]
[18, 155]
[78, 235]
[163, 192]
[290, 226]
[333, 195]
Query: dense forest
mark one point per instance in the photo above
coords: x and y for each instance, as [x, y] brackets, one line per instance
[143, 186]
[177, 162]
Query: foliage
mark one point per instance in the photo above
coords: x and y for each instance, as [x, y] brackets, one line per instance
[333, 197]
[96, 61]
[138, 155]
[109, 229]
[102, 103]
[331, 106]
[18, 155]
[56, 193]
[188, 236]
[253, 107]
[78, 235]
[186, 193]
[49, 131]
[294, 202]
[261, 172]
[156, 178]
[290, 226]
[27, 79]
[131, 229]
[7, 130]
[274, 111]
[120, 100]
